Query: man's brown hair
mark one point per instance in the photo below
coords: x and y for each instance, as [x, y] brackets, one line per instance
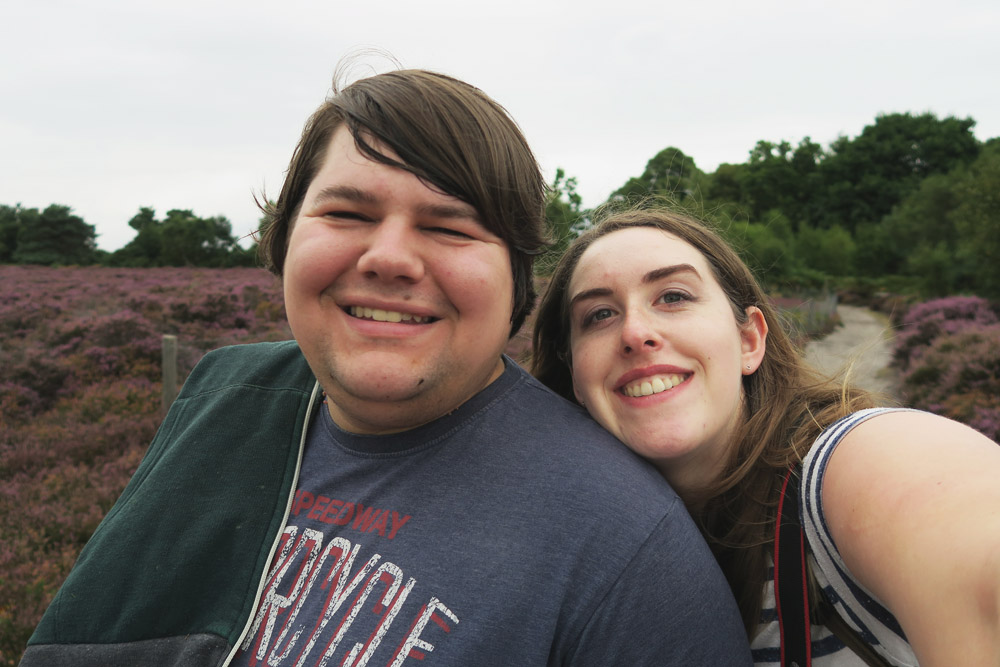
[447, 133]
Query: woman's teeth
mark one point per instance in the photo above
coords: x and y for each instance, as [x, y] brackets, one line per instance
[653, 385]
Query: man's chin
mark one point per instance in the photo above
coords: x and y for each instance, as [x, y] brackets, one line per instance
[366, 415]
[382, 394]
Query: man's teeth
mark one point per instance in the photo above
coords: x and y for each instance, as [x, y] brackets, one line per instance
[654, 385]
[386, 315]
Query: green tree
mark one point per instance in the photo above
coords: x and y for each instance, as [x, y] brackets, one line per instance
[767, 248]
[670, 173]
[725, 185]
[180, 239]
[863, 178]
[145, 248]
[54, 237]
[830, 251]
[563, 217]
[976, 218]
[778, 177]
[933, 269]
[919, 223]
[192, 241]
[10, 223]
[878, 253]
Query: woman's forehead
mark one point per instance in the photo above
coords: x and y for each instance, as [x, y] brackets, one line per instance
[634, 249]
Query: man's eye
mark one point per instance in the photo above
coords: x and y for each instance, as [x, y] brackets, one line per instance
[345, 215]
[449, 231]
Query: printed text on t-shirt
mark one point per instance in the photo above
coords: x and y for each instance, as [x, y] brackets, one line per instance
[359, 517]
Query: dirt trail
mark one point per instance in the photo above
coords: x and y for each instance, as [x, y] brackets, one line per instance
[864, 339]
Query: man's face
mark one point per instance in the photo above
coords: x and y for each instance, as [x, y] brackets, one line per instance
[398, 296]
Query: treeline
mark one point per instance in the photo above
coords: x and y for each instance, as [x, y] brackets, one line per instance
[56, 236]
[910, 205]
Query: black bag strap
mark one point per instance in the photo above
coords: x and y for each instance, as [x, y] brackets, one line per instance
[791, 590]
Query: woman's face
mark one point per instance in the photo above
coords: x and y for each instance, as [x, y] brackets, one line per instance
[657, 354]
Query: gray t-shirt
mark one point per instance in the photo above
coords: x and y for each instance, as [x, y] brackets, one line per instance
[513, 531]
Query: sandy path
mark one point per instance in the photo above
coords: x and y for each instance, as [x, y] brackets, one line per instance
[864, 339]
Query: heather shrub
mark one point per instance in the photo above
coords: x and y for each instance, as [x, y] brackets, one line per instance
[38, 373]
[80, 386]
[45, 519]
[17, 404]
[949, 357]
[926, 321]
[80, 369]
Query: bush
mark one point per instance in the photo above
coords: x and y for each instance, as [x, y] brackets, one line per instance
[926, 321]
[80, 368]
[949, 358]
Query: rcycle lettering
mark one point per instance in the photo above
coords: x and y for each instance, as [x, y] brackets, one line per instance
[342, 597]
[356, 515]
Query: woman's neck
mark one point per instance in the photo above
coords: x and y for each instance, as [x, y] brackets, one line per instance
[693, 475]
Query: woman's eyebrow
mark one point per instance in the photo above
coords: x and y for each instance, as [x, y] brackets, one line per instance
[589, 294]
[666, 271]
[650, 277]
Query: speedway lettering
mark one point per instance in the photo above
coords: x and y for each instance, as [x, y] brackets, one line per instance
[341, 513]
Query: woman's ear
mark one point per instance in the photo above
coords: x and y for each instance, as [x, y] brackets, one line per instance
[753, 335]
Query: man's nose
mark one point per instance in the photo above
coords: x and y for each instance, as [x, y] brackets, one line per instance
[392, 251]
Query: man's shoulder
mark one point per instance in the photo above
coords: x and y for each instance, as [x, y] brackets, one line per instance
[267, 365]
[563, 437]
[541, 408]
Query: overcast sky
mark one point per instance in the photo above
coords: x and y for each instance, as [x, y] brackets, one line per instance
[108, 106]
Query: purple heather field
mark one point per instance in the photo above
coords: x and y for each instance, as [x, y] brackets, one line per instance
[80, 399]
[80, 393]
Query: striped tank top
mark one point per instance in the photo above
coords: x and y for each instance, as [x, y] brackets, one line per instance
[857, 606]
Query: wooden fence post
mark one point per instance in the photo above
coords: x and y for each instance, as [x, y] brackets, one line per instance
[169, 363]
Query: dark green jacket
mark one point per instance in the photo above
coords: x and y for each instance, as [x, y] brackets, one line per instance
[154, 588]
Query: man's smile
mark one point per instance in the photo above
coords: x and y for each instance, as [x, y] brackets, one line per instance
[380, 315]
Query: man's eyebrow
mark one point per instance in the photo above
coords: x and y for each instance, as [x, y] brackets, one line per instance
[348, 192]
[650, 277]
[458, 209]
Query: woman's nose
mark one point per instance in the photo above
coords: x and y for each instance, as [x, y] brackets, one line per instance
[638, 333]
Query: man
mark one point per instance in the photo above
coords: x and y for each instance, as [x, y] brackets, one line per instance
[388, 488]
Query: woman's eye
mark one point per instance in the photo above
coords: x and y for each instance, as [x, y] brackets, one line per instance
[673, 297]
[595, 316]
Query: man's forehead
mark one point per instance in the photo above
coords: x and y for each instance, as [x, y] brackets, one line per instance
[344, 149]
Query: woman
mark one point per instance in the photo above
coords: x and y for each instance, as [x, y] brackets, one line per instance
[654, 324]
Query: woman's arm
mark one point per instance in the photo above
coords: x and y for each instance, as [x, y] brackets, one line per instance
[912, 501]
